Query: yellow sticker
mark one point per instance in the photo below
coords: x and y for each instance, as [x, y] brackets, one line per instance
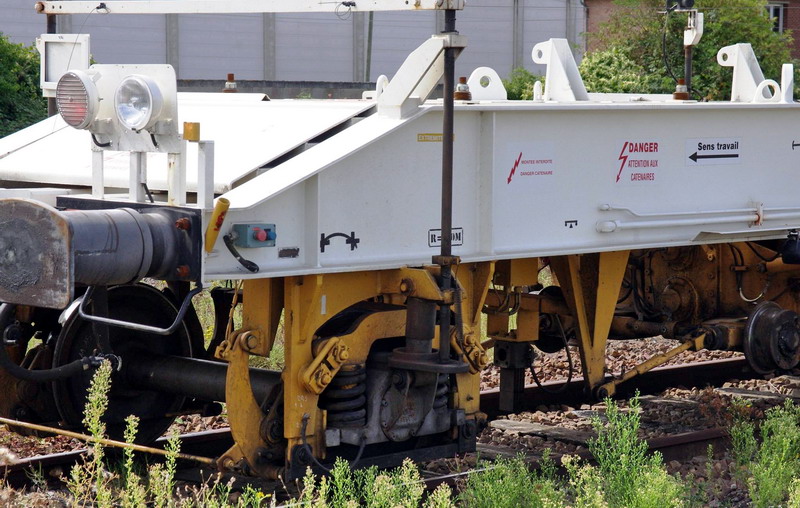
[431, 137]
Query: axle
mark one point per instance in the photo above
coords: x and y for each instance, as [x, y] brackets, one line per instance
[190, 377]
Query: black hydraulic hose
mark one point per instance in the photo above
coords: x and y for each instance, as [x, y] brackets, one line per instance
[569, 363]
[249, 265]
[45, 375]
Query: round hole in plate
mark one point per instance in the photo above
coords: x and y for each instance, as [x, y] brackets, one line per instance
[485, 81]
[724, 57]
[539, 54]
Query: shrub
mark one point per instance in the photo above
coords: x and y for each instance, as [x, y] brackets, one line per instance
[613, 71]
[776, 461]
[628, 476]
[509, 483]
[21, 102]
[637, 27]
[519, 84]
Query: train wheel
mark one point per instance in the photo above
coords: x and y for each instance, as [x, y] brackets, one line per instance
[772, 338]
[138, 304]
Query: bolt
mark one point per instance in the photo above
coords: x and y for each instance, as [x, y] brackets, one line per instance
[182, 271]
[383, 424]
[325, 378]
[384, 403]
[183, 224]
[406, 286]
[263, 455]
[251, 342]
[342, 354]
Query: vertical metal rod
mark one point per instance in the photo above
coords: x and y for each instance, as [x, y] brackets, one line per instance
[687, 67]
[52, 27]
[447, 186]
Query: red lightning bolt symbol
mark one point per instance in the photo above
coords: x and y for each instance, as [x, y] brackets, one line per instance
[623, 158]
[514, 169]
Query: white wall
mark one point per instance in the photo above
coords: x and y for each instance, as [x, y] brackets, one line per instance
[212, 45]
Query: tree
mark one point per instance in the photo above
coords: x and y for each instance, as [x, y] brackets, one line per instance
[639, 30]
[21, 101]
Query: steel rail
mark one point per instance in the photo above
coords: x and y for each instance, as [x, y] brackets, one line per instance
[672, 447]
[105, 441]
[711, 372]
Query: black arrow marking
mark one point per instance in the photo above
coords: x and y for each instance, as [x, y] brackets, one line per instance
[350, 240]
[794, 144]
[694, 156]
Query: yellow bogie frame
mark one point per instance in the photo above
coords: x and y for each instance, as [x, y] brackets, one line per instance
[311, 362]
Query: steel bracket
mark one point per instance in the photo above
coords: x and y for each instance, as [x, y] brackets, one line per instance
[325, 365]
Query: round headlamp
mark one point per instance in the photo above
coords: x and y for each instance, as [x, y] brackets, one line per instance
[76, 98]
[138, 102]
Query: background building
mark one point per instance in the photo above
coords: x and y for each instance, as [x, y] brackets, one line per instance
[319, 47]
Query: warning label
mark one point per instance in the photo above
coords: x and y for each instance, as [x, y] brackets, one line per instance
[638, 161]
[532, 161]
[712, 151]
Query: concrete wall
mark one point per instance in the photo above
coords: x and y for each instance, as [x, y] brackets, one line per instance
[315, 47]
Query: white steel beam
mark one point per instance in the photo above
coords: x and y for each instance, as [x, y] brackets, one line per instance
[239, 6]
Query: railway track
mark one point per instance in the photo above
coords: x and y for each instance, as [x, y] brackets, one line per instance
[698, 374]
[677, 447]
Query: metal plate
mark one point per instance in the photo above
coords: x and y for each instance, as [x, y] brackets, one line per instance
[35, 264]
[247, 134]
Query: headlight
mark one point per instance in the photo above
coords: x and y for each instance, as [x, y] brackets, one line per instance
[76, 97]
[138, 102]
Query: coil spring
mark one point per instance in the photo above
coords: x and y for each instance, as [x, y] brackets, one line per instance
[442, 389]
[345, 398]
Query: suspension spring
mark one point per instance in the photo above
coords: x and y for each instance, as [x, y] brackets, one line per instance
[345, 398]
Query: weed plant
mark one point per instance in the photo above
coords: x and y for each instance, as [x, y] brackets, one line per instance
[628, 476]
[371, 488]
[509, 483]
[89, 482]
[134, 494]
[771, 468]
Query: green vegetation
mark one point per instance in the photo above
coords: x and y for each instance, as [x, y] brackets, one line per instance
[630, 58]
[628, 475]
[21, 102]
[635, 33]
[614, 71]
[771, 468]
[87, 482]
[624, 477]
[519, 84]
[509, 483]
[371, 488]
